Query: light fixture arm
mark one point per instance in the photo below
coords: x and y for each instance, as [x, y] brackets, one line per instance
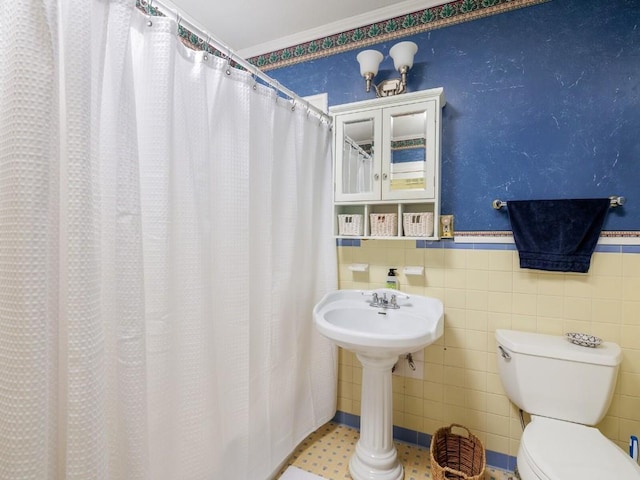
[402, 54]
[369, 81]
[403, 75]
[388, 88]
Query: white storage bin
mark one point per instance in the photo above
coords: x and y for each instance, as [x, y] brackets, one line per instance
[384, 224]
[350, 225]
[418, 224]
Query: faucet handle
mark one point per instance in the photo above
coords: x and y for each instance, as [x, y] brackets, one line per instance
[368, 293]
[374, 296]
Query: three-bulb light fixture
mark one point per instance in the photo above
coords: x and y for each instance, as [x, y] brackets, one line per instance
[402, 54]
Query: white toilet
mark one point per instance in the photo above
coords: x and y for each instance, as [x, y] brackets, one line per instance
[567, 389]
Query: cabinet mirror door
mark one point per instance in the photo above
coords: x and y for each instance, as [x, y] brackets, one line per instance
[409, 163]
[358, 167]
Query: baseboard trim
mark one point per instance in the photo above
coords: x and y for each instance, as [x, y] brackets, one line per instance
[494, 459]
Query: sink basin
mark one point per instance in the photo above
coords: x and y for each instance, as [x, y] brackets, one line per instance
[347, 318]
[378, 336]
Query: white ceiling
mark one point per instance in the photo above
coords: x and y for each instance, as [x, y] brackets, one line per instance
[253, 27]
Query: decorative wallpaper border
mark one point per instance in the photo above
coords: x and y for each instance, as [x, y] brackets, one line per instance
[187, 37]
[485, 234]
[450, 13]
[408, 144]
[627, 241]
[635, 234]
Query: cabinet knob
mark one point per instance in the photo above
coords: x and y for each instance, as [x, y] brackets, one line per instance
[384, 176]
[376, 177]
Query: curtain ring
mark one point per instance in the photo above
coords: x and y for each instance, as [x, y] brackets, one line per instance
[228, 72]
[205, 57]
[149, 22]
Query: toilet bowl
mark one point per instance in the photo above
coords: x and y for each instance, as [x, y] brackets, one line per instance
[557, 450]
[567, 389]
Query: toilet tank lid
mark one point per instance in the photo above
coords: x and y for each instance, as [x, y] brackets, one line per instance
[555, 346]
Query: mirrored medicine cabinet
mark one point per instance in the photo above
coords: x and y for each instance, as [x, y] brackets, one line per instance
[386, 162]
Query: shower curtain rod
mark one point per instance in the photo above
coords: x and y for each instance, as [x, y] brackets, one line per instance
[169, 10]
[356, 147]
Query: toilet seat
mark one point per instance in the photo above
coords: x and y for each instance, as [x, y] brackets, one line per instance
[558, 450]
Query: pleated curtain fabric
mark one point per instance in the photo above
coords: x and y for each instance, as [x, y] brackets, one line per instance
[165, 230]
[28, 241]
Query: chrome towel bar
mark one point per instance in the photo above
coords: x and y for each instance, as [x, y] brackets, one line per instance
[616, 201]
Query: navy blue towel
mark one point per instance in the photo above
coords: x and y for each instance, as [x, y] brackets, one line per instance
[557, 235]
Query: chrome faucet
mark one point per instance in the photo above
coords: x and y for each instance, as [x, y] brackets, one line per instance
[383, 302]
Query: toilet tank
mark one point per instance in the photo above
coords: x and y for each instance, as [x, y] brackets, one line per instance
[549, 376]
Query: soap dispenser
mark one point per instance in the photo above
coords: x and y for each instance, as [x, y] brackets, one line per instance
[392, 279]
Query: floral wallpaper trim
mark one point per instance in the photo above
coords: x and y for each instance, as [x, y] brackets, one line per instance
[408, 144]
[187, 37]
[507, 234]
[457, 11]
[485, 233]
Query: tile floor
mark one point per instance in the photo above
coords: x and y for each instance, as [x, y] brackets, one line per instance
[326, 452]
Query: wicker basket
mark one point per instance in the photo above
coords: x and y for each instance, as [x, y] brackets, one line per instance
[350, 225]
[417, 224]
[453, 456]
[384, 224]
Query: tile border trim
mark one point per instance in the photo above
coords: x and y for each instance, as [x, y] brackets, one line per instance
[507, 235]
[494, 459]
[610, 241]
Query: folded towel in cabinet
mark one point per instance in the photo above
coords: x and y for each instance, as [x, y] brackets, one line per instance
[557, 235]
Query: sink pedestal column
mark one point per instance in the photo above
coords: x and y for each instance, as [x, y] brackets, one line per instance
[376, 457]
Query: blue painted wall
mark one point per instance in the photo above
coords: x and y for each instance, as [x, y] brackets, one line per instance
[542, 102]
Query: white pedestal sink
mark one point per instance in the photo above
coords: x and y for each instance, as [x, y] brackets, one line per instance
[378, 334]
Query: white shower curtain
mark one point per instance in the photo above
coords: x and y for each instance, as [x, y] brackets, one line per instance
[164, 233]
